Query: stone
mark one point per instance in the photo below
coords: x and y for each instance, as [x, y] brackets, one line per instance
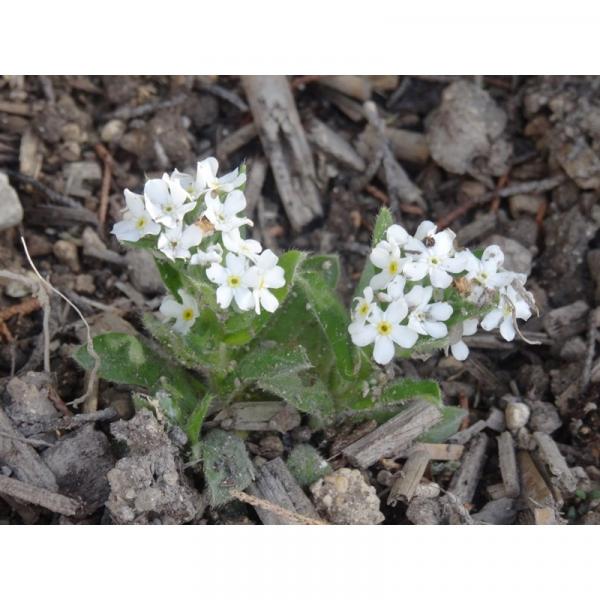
[143, 272]
[524, 203]
[424, 511]
[67, 254]
[84, 284]
[464, 127]
[112, 131]
[271, 447]
[11, 211]
[29, 398]
[344, 498]
[148, 485]
[81, 461]
[544, 417]
[516, 415]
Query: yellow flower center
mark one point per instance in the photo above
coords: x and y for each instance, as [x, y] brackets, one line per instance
[233, 281]
[394, 267]
[141, 223]
[434, 261]
[384, 328]
[363, 309]
[188, 314]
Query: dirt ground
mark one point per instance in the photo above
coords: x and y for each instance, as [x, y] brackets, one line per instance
[507, 160]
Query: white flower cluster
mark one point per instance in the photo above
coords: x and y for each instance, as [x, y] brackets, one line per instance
[406, 298]
[197, 220]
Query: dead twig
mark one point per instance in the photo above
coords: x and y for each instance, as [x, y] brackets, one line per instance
[274, 508]
[224, 94]
[32, 494]
[409, 209]
[90, 344]
[108, 162]
[529, 187]
[132, 112]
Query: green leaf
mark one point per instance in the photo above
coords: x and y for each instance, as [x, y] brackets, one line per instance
[304, 391]
[265, 361]
[123, 359]
[226, 466]
[328, 265]
[404, 390]
[241, 328]
[331, 315]
[383, 222]
[170, 275]
[452, 417]
[307, 465]
[196, 419]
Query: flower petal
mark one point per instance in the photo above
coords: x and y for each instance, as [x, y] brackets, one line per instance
[363, 335]
[491, 320]
[268, 301]
[224, 296]
[170, 307]
[439, 278]
[404, 336]
[217, 274]
[243, 298]
[424, 229]
[460, 350]
[396, 311]
[440, 311]
[383, 351]
[234, 203]
[469, 326]
[380, 257]
[507, 329]
[415, 271]
[435, 329]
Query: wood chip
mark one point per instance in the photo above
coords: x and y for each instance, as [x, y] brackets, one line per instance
[465, 436]
[436, 451]
[389, 439]
[284, 142]
[508, 464]
[405, 485]
[22, 459]
[354, 86]
[410, 146]
[334, 145]
[259, 416]
[534, 489]
[26, 492]
[465, 481]
[274, 483]
[238, 139]
[557, 470]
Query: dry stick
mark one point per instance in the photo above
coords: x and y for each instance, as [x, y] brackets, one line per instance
[32, 494]
[106, 158]
[529, 187]
[89, 345]
[32, 442]
[274, 508]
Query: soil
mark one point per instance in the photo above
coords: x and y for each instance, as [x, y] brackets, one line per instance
[507, 160]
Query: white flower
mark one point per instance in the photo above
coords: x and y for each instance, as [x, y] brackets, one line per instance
[223, 215]
[213, 254]
[384, 329]
[233, 241]
[434, 256]
[511, 307]
[185, 314]
[262, 276]
[425, 318]
[206, 179]
[176, 242]
[459, 349]
[364, 306]
[138, 221]
[230, 279]
[485, 273]
[167, 201]
[386, 256]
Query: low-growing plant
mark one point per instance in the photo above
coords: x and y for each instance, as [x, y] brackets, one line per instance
[240, 322]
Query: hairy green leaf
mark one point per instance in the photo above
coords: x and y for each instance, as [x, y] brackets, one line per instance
[307, 465]
[123, 359]
[328, 265]
[226, 465]
[170, 275]
[452, 417]
[196, 418]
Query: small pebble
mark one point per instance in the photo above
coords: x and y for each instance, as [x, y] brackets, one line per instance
[517, 415]
[66, 252]
[271, 447]
[84, 284]
[113, 131]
